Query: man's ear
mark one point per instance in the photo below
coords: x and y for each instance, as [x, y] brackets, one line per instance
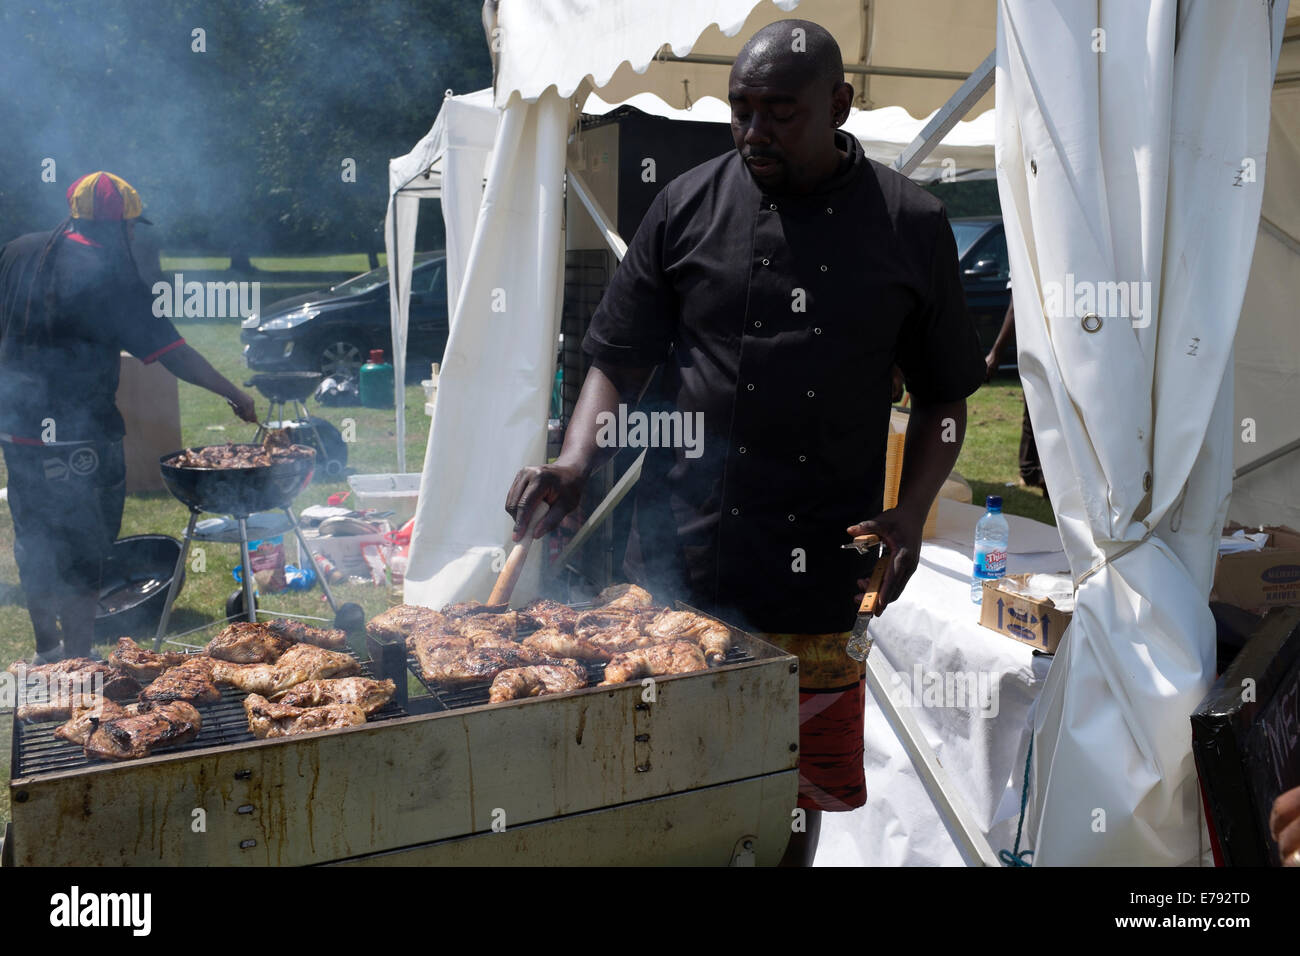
[841, 104]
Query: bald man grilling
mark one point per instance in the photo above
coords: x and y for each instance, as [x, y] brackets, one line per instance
[777, 286]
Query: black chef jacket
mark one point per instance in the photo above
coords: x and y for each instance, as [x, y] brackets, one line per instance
[71, 374]
[778, 318]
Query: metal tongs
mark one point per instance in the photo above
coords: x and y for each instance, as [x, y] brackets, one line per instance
[859, 645]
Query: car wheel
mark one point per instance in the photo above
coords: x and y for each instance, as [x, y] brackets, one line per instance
[340, 356]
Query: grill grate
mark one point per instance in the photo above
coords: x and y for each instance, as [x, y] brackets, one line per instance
[472, 695]
[37, 751]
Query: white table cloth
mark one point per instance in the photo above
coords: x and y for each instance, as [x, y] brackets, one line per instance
[933, 638]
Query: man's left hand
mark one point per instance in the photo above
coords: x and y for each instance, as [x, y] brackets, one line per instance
[901, 532]
[1284, 825]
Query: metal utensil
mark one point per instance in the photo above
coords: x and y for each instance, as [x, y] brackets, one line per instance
[859, 645]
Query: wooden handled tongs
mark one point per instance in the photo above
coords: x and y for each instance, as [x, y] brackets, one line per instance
[514, 565]
[859, 645]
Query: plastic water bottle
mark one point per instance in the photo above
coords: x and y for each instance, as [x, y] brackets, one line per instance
[991, 538]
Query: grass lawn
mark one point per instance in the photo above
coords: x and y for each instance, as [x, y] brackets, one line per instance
[988, 461]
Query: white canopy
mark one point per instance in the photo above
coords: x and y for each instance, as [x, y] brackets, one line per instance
[1124, 165]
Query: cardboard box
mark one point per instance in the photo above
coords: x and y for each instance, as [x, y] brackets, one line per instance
[1261, 579]
[1038, 623]
[343, 551]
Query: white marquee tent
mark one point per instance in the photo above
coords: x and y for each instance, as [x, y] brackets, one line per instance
[1136, 434]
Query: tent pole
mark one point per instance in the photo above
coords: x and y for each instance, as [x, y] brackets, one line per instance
[857, 69]
[603, 222]
[399, 417]
[958, 105]
[962, 827]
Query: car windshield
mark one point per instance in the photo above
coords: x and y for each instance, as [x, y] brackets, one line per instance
[363, 283]
[966, 233]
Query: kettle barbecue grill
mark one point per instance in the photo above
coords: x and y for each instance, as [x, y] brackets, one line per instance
[239, 493]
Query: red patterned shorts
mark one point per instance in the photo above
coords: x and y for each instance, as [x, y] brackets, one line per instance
[832, 702]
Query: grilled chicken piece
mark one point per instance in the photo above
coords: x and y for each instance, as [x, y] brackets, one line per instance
[191, 682]
[547, 613]
[369, 695]
[670, 657]
[62, 703]
[537, 679]
[713, 638]
[144, 665]
[245, 642]
[598, 620]
[65, 666]
[297, 632]
[88, 714]
[267, 719]
[452, 667]
[398, 623]
[138, 735]
[78, 675]
[556, 643]
[299, 663]
[505, 625]
[472, 608]
[623, 596]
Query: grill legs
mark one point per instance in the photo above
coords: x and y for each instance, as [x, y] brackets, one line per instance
[175, 583]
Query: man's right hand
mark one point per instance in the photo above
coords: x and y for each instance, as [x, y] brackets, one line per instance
[558, 485]
[991, 362]
[243, 405]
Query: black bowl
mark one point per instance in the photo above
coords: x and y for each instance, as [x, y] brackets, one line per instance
[134, 585]
[238, 491]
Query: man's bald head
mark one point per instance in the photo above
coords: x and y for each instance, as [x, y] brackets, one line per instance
[788, 95]
[799, 51]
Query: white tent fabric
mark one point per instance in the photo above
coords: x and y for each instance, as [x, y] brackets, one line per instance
[447, 164]
[495, 386]
[1267, 380]
[967, 150]
[1123, 166]
[558, 43]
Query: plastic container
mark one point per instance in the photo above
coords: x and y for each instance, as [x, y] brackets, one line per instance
[396, 493]
[377, 382]
[992, 537]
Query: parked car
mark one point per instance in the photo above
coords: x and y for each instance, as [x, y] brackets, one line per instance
[333, 330]
[982, 258]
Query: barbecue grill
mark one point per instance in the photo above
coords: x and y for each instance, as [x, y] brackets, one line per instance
[238, 493]
[700, 768]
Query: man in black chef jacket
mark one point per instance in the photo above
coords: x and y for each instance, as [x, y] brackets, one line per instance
[777, 286]
[70, 301]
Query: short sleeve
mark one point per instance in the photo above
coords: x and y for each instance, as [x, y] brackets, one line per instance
[939, 351]
[135, 327]
[636, 319]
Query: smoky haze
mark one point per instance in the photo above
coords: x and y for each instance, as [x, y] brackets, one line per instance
[236, 136]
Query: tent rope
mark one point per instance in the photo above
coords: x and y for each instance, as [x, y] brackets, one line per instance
[1017, 856]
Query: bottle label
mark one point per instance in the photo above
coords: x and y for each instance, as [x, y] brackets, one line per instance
[990, 564]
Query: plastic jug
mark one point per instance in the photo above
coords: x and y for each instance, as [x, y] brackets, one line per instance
[377, 382]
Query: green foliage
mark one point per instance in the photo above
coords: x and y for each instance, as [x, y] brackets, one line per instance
[238, 147]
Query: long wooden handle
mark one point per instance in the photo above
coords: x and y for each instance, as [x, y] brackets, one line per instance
[872, 595]
[515, 562]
